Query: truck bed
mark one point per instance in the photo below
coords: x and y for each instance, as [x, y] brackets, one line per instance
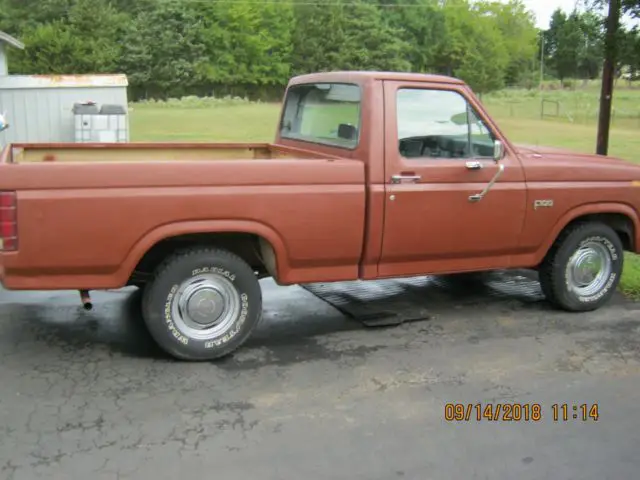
[88, 214]
[145, 152]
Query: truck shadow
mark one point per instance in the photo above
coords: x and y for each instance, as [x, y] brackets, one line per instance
[396, 301]
[297, 322]
[69, 329]
[58, 323]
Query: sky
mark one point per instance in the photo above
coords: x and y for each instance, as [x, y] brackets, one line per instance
[543, 9]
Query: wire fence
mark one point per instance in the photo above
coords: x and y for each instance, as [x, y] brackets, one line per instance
[580, 105]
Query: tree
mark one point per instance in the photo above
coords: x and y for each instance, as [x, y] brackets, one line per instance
[627, 7]
[99, 26]
[474, 49]
[346, 35]
[372, 44]
[83, 37]
[558, 19]
[519, 36]
[317, 37]
[133, 7]
[629, 55]
[173, 48]
[248, 44]
[20, 15]
[590, 53]
[573, 44]
[569, 42]
[631, 7]
[421, 25]
[163, 51]
[52, 48]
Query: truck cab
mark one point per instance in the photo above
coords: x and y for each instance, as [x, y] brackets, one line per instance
[446, 189]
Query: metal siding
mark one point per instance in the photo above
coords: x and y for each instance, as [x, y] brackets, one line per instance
[6, 107]
[46, 114]
[4, 63]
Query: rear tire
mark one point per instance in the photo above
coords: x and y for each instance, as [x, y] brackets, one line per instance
[202, 304]
[582, 270]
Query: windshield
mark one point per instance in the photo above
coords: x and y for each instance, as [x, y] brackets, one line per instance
[327, 113]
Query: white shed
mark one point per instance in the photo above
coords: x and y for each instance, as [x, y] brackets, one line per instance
[40, 108]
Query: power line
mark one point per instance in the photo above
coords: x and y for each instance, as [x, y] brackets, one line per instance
[332, 3]
[436, 5]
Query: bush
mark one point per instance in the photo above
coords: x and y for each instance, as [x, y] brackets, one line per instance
[197, 102]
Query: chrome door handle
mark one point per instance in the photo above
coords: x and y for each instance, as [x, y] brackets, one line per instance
[474, 165]
[400, 178]
[479, 196]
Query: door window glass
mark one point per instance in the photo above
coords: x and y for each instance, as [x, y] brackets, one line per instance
[440, 124]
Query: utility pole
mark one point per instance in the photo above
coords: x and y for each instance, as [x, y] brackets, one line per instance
[542, 74]
[541, 59]
[608, 73]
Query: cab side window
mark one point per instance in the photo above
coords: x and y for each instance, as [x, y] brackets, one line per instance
[440, 124]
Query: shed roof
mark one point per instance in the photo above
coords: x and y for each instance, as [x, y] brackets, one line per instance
[21, 82]
[5, 37]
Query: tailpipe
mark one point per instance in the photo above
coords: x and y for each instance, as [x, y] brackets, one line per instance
[86, 300]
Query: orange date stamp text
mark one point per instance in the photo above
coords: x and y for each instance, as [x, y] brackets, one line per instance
[493, 412]
[519, 412]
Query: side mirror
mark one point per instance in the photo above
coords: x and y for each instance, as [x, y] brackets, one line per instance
[3, 123]
[498, 150]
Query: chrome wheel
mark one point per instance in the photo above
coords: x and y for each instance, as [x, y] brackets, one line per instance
[589, 269]
[205, 306]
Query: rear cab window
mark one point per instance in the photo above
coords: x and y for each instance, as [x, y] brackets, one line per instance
[323, 113]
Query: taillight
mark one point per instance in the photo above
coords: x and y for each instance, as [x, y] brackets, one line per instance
[8, 221]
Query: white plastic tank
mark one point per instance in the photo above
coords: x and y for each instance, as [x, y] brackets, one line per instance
[109, 124]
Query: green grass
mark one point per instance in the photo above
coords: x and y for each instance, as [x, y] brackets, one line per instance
[516, 111]
[221, 123]
[630, 283]
[570, 118]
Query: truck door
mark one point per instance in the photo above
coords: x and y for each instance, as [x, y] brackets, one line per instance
[449, 205]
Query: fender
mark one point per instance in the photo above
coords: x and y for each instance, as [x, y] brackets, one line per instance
[167, 231]
[583, 210]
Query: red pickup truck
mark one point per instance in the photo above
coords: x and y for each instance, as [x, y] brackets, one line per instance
[371, 175]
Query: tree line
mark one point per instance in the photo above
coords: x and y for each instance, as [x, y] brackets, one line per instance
[172, 48]
[574, 45]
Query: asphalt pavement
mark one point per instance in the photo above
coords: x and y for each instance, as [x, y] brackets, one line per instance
[316, 395]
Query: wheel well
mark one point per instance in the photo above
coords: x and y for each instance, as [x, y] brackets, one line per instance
[253, 249]
[619, 222]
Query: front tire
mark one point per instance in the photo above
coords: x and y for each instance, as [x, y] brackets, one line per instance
[583, 268]
[202, 304]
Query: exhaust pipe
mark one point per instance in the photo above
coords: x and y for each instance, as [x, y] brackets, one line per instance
[86, 300]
